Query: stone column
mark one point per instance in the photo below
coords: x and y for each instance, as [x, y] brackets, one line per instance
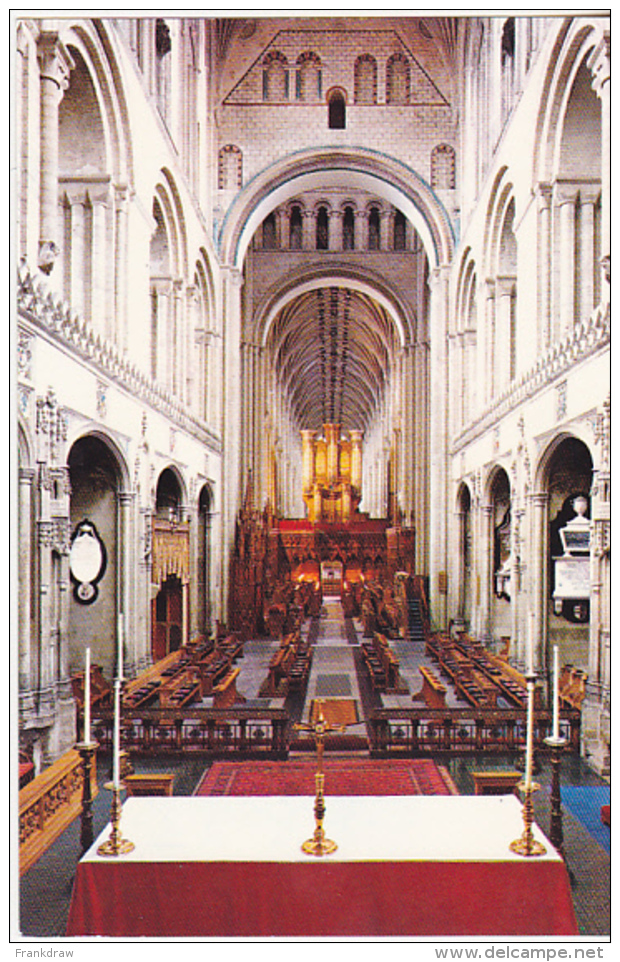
[587, 247]
[387, 229]
[599, 64]
[99, 263]
[501, 359]
[161, 289]
[232, 282]
[121, 261]
[538, 565]
[544, 266]
[125, 594]
[24, 571]
[486, 570]
[179, 342]
[438, 325]
[565, 198]
[76, 195]
[490, 378]
[336, 218]
[361, 230]
[308, 226]
[55, 64]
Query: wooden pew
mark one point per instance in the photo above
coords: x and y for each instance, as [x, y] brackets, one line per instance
[225, 694]
[138, 689]
[382, 664]
[212, 670]
[183, 689]
[433, 692]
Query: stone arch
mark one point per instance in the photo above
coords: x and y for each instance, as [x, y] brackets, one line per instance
[96, 48]
[98, 478]
[310, 170]
[573, 44]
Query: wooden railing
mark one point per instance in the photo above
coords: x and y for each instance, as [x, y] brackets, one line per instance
[401, 731]
[48, 804]
[239, 729]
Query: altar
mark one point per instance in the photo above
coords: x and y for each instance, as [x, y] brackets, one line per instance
[404, 866]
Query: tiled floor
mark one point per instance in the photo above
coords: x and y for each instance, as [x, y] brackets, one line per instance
[45, 890]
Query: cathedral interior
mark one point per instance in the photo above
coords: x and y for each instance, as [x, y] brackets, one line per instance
[312, 402]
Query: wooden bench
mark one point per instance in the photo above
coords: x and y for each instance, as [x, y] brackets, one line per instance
[433, 692]
[382, 664]
[151, 783]
[212, 670]
[181, 690]
[496, 783]
[225, 694]
[153, 676]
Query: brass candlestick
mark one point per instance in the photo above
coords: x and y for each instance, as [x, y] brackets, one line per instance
[556, 832]
[527, 845]
[116, 844]
[87, 752]
[319, 845]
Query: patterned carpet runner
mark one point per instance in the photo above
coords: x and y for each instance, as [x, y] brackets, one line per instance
[343, 776]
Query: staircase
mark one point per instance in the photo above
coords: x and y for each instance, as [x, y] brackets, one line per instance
[416, 631]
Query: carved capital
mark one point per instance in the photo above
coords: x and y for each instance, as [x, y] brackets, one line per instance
[599, 63]
[55, 61]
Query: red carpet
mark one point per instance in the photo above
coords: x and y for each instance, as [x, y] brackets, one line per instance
[343, 776]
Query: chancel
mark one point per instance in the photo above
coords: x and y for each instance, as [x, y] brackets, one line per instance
[313, 436]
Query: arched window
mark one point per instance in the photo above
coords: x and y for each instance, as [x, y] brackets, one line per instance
[400, 231]
[295, 228]
[230, 168]
[322, 229]
[269, 232]
[163, 45]
[443, 167]
[374, 229]
[348, 229]
[397, 79]
[337, 110]
[365, 80]
[275, 77]
[308, 77]
[508, 65]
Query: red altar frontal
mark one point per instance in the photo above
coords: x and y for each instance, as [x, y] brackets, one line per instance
[404, 866]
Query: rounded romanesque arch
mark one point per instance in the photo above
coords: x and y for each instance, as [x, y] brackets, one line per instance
[362, 169]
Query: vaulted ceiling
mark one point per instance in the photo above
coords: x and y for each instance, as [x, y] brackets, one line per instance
[332, 354]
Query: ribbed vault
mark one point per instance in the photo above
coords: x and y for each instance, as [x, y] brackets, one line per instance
[332, 350]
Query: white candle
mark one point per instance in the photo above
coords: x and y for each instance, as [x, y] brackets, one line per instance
[87, 697]
[529, 747]
[530, 644]
[556, 692]
[116, 745]
[120, 647]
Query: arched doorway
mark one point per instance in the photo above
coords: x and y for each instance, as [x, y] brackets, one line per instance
[170, 568]
[569, 480]
[95, 483]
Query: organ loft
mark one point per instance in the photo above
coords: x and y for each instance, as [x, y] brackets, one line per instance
[332, 474]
